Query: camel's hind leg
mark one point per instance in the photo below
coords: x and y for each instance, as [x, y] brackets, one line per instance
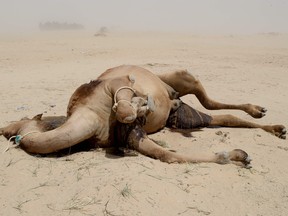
[185, 83]
[232, 121]
[185, 117]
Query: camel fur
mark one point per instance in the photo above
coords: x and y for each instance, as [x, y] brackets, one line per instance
[136, 102]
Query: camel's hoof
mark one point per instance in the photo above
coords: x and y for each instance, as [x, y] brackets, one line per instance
[263, 114]
[238, 155]
[283, 134]
[279, 131]
[263, 110]
[256, 111]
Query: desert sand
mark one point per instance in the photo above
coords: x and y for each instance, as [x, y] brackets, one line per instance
[40, 72]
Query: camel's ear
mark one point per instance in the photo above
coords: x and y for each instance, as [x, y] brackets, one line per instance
[37, 117]
[131, 78]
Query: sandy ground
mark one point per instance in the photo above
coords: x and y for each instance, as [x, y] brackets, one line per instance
[40, 72]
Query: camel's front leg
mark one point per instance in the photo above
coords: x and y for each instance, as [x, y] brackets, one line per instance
[185, 83]
[139, 141]
[232, 121]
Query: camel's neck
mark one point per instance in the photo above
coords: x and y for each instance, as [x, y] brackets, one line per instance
[79, 127]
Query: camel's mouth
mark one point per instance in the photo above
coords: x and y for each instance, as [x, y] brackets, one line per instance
[129, 119]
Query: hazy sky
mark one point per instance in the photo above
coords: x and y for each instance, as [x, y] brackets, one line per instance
[198, 16]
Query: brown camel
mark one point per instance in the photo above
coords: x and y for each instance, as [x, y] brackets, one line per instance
[125, 103]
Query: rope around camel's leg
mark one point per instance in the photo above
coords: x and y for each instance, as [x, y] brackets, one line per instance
[18, 139]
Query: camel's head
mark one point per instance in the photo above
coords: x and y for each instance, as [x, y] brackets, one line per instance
[128, 103]
[128, 111]
[16, 127]
[125, 112]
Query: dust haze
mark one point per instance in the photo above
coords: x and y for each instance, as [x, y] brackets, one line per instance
[205, 16]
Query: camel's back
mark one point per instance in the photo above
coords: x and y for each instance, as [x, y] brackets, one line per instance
[144, 79]
[146, 83]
